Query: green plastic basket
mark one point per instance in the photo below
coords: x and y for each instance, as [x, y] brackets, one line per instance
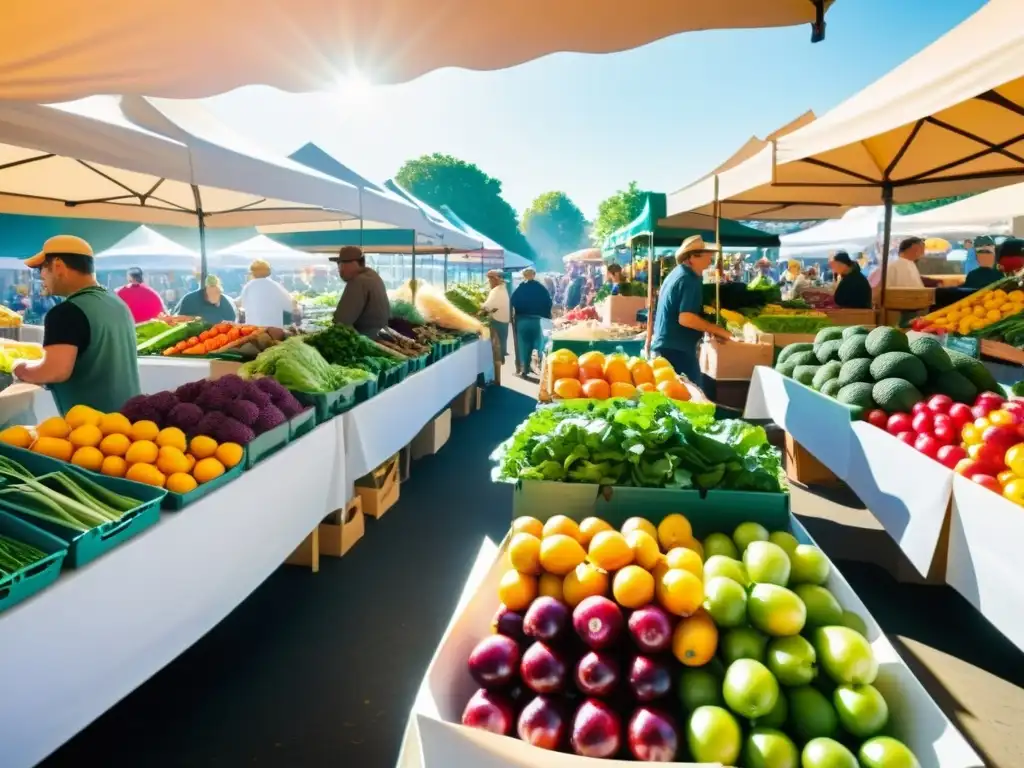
[365, 390]
[267, 444]
[302, 424]
[393, 376]
[175, 502]
[327, 405]
[579, 347]
[418, 363]
[85, 547]
[21, 585]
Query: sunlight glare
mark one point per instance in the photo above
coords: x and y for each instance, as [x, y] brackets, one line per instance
[354, 89]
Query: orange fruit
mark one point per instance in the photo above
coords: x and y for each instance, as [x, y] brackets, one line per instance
[559, 554]
[517, 590]
[597, 389]
[685, 559]
[202, 447]
[79, 415]
[54, 426]
[229, 454]
[641, 371]
[696, 546]
[142, 452]
[633, 587]
[115, 424]
[115, 444]
[660, 362]
[88, 457]
[192, 462]
[590, 373]
[85, 435]
[17, 436]
[171, 461]
[673, 530]
[680, 592]
[662, 375]
[592, 359]
[206, 470]
[524, 553]
[674, 390]
[645, 549]
[622, 389]
[181, 482]
[646, 387]
[114, 466]
[590, 527]
[54, 447]
[550, 585]
[561, 524]
[695, 640]
[563, 365]
[146, 473]
[144, 430]
[660, 569]
[529, 525]
[567, 389]
[609, 551]
[172, 437]
[583, 581]
[617, 370]
[639, 524]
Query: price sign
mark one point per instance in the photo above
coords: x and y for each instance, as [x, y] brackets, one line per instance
[966, 345]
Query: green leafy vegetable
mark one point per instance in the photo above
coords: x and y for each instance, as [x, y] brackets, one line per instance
[343, 345]
[790, 323]
[650, 442]
[296, 365]
[406, 311]
[15, 555]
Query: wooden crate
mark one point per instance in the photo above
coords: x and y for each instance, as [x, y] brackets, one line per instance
[803, 468]
[340, 531]
[909, 298]
[851, 316]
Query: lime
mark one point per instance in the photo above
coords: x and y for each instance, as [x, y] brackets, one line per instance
[777, 717]
[862, 709]
[885, 752]
[766, 563]
[750, 689]
[742, 643]
[823, 610]
[720, 565]
[845, 655]
[785, 540]
[792, 660]
[725, 601]
[827, 753]
[810, 566]
[854, 622]
[720, 544]
[768, 748]
[713, 736]
[810, 714]
[699, 687]
[776, 610]
[748, 532]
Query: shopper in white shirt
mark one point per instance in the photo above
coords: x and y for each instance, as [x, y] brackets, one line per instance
[902, 271]
[497, 308]
[265, 301]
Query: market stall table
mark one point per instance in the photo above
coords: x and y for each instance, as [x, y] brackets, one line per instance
[147, 601]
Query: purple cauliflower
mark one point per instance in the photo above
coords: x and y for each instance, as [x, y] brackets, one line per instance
[243, 411]
[188, 392]
[140, 411]
[231, 384]
[290, 408]
[234, 431]
[256, 395]
[271, 386]
[164, 402]
[286, 401]
[210, 424]
[270, 417]
[186, 417]
[213, 399]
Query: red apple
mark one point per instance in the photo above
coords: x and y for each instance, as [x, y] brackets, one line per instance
[907, 437]
[542, 723]
[988, 482]
[649, 679]
[542, 669]
[990, 397]
[950, 455]
[1005, 435]
[652, 736]
[927, 445]
[960, 414]
[940, 403]
[508, 623]
[598, 621]
[993, 455]
[596, 730]
[945, 433]
[878, 418]
[546, 619]
[923, 422]
[981, 410]
[494, 661]
[920, 407]
[597, 674]
[899, 422]
[489, 711]
[651, 629]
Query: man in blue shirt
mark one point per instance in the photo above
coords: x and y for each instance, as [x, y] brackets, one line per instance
[678, 321]
[531, 303]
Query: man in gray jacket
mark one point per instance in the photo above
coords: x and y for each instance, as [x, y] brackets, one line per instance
[364, 303]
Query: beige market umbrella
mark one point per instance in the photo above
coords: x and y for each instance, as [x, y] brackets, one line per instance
[948, 121]
[196, 48]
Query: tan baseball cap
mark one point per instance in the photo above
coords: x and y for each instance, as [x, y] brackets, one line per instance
[60, 245]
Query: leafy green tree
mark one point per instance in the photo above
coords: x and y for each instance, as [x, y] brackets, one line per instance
[554, 226]
[927, 205]
[440, 179]
[617, 211]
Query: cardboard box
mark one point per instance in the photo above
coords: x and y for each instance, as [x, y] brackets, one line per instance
[620, 309]
[340, 531]
[307, 554]
[803, 468]
[469, 400]
[909, 298]
[220, 368]
[734, 360]
[432, 437]
[436, 739]
[753, 334]
[379, 489]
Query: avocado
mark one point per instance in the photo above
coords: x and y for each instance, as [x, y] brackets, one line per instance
[832, 333]
[974, 370]
[803, 358]
[805, 373]
[899, 365]
[956, 385]
[885, 339]
[855, 330]
[853, 348]
[828, 350]
[791, 349]
[857, 394]
[896, 395]
[855, 370]
[930, 352]
[830, 388]
[826, 373]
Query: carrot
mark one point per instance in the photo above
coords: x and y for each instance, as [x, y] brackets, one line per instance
[170, 351]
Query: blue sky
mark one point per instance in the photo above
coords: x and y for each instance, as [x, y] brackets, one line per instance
[663, 114]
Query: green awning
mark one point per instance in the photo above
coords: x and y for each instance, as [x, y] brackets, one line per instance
[652, 220]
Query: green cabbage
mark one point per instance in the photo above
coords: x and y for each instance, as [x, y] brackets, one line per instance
[296, 365]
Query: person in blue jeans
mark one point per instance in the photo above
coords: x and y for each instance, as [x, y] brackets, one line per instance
[531, 303]
[679, 324]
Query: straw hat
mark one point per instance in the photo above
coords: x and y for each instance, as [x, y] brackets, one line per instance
[693, 246]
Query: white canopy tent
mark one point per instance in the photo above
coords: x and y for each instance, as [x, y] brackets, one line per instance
[855, 231]
[510, 260]
[451, 238]
[278, 256]
[148, 249]
[996, 212]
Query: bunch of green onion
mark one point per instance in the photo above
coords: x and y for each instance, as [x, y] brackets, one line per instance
[15, 555]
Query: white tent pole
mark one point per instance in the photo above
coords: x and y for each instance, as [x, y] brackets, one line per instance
[202, 235]
[446, 252]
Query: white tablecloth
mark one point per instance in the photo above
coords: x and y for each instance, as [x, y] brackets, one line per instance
[138, 607]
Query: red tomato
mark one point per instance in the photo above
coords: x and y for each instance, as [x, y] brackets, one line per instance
[1003, 438]
[950, 455]
[981, 410]
[940, 403]
[921, 407]
[990, 397]
[899, 422]
[923, 422]
[993, 455]
[927, 445]
[907, 437]
[960, 414]
[944, 433]
[878, 418]
[988, 482]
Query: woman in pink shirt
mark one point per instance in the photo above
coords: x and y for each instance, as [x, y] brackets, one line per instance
[143, 302]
